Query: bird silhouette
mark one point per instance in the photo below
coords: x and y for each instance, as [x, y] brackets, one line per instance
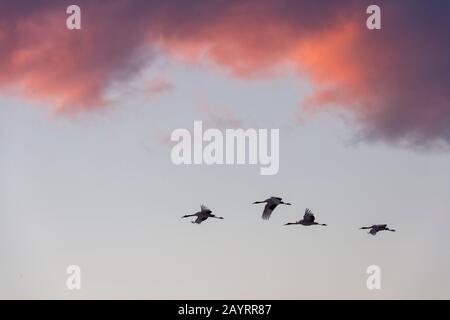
[308, 220]
[377, 228]
[202, 215]
[271, 204]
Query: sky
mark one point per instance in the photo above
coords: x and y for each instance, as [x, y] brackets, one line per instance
[86, 176]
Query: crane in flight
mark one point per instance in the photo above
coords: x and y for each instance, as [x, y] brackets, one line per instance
[202, 215]
[271, 204]
[377, 228]
[308, 220]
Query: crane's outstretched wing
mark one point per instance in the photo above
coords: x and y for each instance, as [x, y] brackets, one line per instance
[269, 207]
[309, 216]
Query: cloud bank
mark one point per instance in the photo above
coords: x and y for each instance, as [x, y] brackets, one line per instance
[394, 82]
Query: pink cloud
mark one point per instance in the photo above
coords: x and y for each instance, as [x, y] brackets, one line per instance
[395, 82]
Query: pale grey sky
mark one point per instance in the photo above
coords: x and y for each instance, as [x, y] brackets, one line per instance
[100, 191]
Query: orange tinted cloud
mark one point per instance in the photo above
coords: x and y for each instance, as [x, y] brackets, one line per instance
[69, 69]
[394, 81]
